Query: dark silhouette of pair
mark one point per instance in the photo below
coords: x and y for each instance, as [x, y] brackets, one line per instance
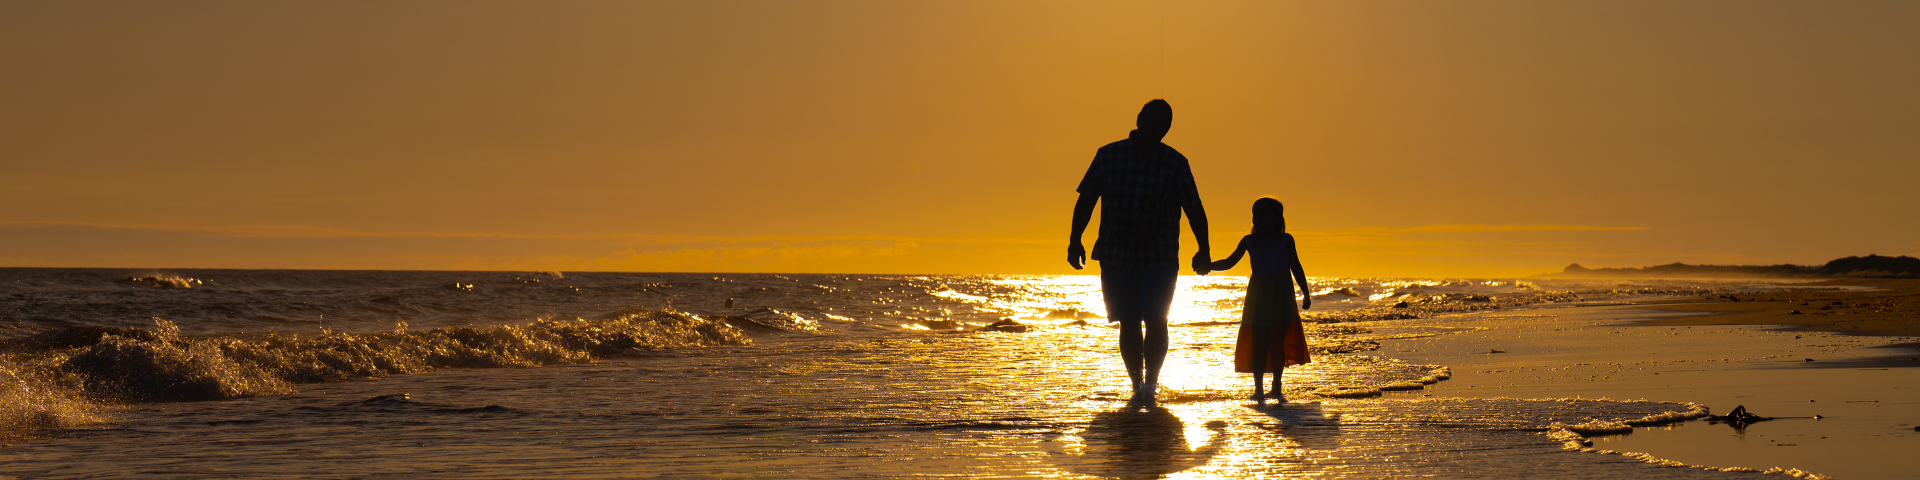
[1143, 187]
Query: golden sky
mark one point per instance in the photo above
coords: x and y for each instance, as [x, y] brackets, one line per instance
[1407, 138]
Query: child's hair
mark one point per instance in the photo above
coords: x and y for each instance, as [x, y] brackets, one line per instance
[1269, 217]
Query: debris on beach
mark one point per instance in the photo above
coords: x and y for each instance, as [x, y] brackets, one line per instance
[1738, 415]
[1739, 418]
[1491, 351]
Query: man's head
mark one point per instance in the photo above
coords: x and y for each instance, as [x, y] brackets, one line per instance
[1155, 119]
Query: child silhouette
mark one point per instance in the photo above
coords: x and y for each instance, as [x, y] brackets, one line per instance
[1270, 333]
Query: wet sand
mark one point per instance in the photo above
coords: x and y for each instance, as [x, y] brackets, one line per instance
[1865, 306]
[1049, 402]
[1624, 352]
[991, 405]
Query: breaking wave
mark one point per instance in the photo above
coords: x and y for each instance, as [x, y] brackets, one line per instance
[30, 404]
[65, 377]
[164, 281]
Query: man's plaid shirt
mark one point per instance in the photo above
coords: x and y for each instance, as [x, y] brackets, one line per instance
[1140, 200]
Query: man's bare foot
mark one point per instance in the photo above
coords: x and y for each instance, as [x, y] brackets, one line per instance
[1142, 395]
[1277, 396]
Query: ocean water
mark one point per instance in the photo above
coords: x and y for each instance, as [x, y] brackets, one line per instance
[122, 373]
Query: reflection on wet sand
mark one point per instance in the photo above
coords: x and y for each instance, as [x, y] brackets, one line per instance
[852, 393]
[1304, 425]
[1140, 443]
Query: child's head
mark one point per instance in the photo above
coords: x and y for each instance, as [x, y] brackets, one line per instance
[1269, 216]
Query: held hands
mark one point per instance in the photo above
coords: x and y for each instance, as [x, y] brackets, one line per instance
[1077, 258]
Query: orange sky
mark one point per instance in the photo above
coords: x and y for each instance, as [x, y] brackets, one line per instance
[1407, 138]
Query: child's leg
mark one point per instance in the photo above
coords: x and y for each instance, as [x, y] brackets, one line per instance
[1260, 352]
[1276, 392]
[1279, 352]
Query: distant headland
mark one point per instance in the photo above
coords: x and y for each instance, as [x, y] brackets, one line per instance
[1870, 266]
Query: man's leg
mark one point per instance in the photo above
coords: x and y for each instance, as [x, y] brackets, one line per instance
[1156, 298]
[1132, 350]
[1120, 289]
[1156, 348]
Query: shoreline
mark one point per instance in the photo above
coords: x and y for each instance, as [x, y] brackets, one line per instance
[1890, 308]
[1565, 351]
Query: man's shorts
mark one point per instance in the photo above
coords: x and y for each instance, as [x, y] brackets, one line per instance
[1138, 294]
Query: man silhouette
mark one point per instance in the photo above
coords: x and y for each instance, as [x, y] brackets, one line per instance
[1144, 185]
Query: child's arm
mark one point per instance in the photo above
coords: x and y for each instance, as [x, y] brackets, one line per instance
[1231, 260]
[1300, 275]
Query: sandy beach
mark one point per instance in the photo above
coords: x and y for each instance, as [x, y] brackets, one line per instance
[1862, 306]
[1867, 411]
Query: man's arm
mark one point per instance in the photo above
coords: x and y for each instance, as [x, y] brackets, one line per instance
[1197, 220]
[1082, 213]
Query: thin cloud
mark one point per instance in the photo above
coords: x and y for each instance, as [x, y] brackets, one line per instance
[1514, 228]
[304, 231]
[781, 258]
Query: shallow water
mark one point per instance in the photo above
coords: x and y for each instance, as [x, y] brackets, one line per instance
[993, 404]
[845, 375]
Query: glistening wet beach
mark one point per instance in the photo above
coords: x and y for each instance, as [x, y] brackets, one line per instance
[852, 375]
[1868, 414]
[991, 404]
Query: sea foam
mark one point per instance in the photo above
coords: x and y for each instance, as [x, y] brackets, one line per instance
[159, 364]
[30, 405]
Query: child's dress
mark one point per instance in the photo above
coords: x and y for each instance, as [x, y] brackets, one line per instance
[1270, 302]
